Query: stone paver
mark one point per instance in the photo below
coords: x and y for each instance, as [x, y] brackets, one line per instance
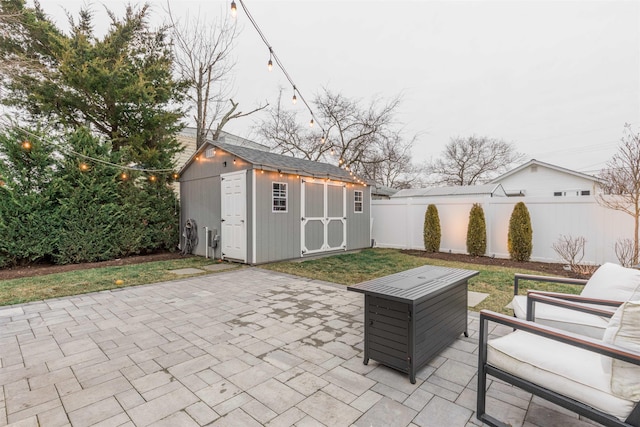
[243, 347]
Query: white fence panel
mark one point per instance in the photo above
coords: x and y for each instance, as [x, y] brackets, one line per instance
[398, 223]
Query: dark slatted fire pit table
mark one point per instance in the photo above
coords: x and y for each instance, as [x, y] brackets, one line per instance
[410, 317]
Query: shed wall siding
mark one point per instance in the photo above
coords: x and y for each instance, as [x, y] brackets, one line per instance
[200, 196]
[277, 233]
[358, 224]
[200, 200]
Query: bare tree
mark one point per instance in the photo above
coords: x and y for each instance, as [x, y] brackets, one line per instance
[202, 48]
[621, 181]
[362, 139]
[570, 249]
[472, 160]
[624, 252]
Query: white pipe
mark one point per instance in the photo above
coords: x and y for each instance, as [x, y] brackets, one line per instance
[206, 242]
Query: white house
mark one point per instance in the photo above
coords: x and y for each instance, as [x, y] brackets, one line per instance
[540, 179]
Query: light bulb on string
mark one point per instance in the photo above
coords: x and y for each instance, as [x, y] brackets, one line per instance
[270, 63]
[332, 151]
[83, 167]
[311, 123]
[234, 9]
[152, 178]
[322, 139]
[124, 176]
[294, 100]
[26, 145]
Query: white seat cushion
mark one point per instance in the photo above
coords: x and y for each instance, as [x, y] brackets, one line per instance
[624, 331]
[613, 282]
[565, 369]
[562, 318]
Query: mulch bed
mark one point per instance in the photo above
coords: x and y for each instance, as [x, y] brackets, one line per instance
[42, 269]
[543, 267]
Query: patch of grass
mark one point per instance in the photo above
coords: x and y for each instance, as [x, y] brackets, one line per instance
[349, 269]
[37, 288]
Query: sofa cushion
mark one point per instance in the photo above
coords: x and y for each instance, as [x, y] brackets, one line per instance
[565, 369]
[624, 331]
[613, 282]
[562, 318]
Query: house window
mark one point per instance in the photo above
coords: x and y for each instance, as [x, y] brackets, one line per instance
[557, 193]
[585, 193]
[357, 205]
[279, 197]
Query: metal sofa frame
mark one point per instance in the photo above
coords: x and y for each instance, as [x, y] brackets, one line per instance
[554, 396]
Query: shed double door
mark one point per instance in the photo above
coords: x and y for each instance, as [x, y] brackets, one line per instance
[324, 216]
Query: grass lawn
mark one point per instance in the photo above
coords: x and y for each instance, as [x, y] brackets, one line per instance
[37, 288]
[348, 269]
[345, 269]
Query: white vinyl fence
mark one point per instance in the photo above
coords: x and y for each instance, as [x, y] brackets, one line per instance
[398, 223]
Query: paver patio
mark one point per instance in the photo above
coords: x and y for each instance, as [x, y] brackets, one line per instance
[246, 347]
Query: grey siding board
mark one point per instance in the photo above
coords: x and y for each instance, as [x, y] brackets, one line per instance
[277, 233]
[335, 233]
[358, 224]
[200, 201]
[314, 235]
[335, 199]
[314, 199]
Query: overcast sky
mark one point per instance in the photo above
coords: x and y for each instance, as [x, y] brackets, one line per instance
[558, 79]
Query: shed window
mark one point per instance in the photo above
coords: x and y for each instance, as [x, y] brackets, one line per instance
[557, 193]
[585, 193]
[357, 201]
[279, 197]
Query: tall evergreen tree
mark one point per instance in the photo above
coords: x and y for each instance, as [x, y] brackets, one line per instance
[121, 85]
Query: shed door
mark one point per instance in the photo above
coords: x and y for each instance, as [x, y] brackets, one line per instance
[324, 216]
[233, 207]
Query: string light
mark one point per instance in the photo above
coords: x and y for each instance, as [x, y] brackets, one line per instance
[84, 167]
[332, 151]
[26, 145]
[152, 178]
[234, 9]
[274, 56]
[124, 176]
[270, 63]
[311, 123]
[175, 176]
[322, 139]
[294, 100]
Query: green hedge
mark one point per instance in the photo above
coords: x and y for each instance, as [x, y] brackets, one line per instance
[51, 210]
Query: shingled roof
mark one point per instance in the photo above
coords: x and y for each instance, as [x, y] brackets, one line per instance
[272, 161]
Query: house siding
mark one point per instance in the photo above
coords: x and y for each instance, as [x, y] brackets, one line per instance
[541, 181]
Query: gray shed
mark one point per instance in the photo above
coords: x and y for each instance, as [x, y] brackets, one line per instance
[255, 207]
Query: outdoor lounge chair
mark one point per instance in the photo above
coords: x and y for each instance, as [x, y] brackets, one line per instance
[607, 288]
[598, 379]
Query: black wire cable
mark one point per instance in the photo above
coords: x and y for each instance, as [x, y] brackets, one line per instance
[280, 65]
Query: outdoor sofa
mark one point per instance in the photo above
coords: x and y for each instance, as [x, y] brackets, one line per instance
[609, 286]
[596, 378]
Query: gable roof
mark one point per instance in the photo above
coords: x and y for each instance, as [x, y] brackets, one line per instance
[277, 162]
[456, 190]
[545, 165]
